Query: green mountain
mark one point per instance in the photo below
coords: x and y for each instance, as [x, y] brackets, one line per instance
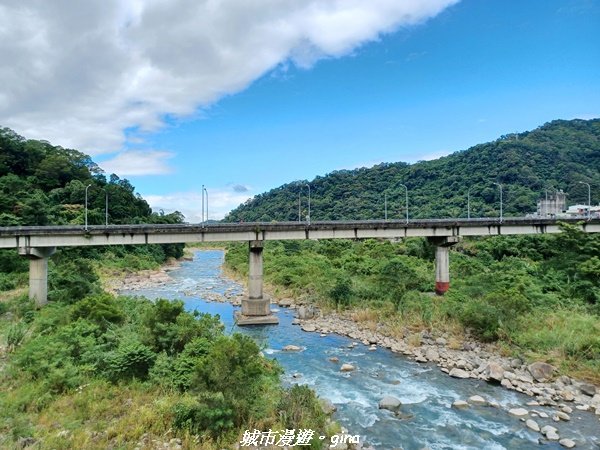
[42, 184]
[556, 155]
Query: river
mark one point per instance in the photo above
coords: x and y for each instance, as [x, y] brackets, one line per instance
[426, 393]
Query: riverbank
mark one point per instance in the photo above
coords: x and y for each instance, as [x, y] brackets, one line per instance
[313, 363]
[460, 358]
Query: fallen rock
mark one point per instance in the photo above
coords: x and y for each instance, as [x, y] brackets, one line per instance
[286, 302]
[567, 443]
[390, 403]
[291, 348]
[494, 372]
[532, 425]
[459, 373]
[518, 412]
[562, 416]
[552, 436]
[308, 327]
[541, 371]
[346, 368]
[432, 355]
[588, 389]
[460, 404]
[441, 341]
[477, 400]
[548, 429]
[306, 312]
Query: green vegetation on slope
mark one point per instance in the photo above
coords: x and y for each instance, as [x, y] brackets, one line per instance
[103, 372]
[42, 184]
[537, 295]
[554, 156]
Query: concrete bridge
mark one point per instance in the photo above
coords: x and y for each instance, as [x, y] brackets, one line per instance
[39, 243]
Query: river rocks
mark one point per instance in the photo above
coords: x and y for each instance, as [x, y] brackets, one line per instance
[347, 368]
[550, 432]
[477, 360]
[308, 327]
[460, 404]
[441, 341]
[291, 348]
[306, 312]
[494, 371]
[567, 443]
[541, 371]
[477, 400]
[285, 302]
[390, 403]
[432, 355]
[567, 396]
[587, 389]
[518, 412]
[334, 359]
[459, 373]
[532, 425]
[561, 416]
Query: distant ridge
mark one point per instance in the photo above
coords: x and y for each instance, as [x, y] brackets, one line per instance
[556, 155]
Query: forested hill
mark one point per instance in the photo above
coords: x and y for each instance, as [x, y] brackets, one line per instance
[42, 184]
[555, 156]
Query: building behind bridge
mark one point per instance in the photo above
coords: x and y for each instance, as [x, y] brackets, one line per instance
[552, 205]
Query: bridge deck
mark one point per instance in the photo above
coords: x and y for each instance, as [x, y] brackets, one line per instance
[57, 236]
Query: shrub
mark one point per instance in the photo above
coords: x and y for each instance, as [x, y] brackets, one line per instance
[130, 360]
[209, 413]
[100, 309]
[341, 293]
[15, 335]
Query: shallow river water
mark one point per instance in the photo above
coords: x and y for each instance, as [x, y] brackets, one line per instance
[426, 393]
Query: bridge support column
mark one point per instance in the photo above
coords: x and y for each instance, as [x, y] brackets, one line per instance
[442, 262]
[256, 309]
[38, 272]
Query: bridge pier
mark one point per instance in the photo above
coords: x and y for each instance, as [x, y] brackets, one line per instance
[256, 309]
[442, 262]
[38, 272]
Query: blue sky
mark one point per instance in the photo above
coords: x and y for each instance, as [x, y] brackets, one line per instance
[458, 75]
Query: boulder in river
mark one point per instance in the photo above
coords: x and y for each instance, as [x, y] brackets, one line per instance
[494, 371]
[346, 368]
[390, 403]
[518, 412]
[292, 348]
[285, 302]
[460, 404]
[567, 443]
[477, 400]
[532, 425]
[459, 373]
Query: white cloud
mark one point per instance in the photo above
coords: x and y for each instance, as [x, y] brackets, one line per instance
[137, 162]
[221, 200]
[81, 73]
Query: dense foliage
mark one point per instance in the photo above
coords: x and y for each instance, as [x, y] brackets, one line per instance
[207, 386]
[42, 184]
[536, 294]
[555, 156]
